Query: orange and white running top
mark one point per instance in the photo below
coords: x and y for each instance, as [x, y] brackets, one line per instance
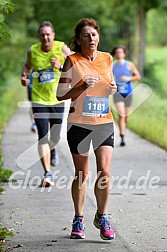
[92, 106]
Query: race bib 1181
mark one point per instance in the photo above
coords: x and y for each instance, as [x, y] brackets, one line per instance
[95, 106]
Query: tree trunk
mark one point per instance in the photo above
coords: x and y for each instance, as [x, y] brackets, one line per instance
[140, 39]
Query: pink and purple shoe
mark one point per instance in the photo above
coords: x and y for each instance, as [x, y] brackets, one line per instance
[78, 228]
[102, 223]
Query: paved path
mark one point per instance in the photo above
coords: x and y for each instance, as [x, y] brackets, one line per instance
[41, 219]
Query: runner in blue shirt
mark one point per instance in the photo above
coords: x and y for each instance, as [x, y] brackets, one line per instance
[124, 72]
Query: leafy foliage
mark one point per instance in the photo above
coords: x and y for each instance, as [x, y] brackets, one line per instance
[6, 6]
[3, 233]
[3, 32]
[5, 175]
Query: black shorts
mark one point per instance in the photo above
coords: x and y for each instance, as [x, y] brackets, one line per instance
[120, 98]
[49, 121]
[79, 136]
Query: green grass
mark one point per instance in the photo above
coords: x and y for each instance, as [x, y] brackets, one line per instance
[3, 233]
[150, 120]
[158, 57]
[9, 101]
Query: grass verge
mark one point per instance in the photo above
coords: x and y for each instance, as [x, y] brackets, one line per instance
[8, 107]
[3, 233]
[156, 61]
[149, 120]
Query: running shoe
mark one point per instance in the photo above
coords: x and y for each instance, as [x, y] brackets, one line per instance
[47, 180]
[78, 228]
[102, 223]
[54, 158]
[34, 128]
[122, 143]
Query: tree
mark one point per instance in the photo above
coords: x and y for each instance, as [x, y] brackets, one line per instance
[132, 14]
[121, 22]
[6, 6]
[142, 8]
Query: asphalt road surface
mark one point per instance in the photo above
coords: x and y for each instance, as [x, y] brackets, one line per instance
[41, 218]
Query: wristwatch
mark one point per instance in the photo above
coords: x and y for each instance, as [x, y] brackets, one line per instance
[61, 67]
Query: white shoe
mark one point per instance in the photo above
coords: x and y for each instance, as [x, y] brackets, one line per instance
[47, 180]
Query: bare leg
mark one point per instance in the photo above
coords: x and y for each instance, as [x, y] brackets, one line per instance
[32, 116]
[55, 133]
[102, 185]
[120, 106]
[44, 153]
[79, 185]
[33, 125]
[127, 111]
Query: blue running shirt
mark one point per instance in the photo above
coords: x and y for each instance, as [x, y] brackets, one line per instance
[124, 88]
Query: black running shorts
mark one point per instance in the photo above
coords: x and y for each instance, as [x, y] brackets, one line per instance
[79, 136]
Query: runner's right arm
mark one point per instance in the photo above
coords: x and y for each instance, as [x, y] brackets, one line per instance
[66, 88]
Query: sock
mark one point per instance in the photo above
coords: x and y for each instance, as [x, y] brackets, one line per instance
[53, 154]
[78, 216]
[122, 140]
[48, 172]
[99, 215]
[122, 136]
